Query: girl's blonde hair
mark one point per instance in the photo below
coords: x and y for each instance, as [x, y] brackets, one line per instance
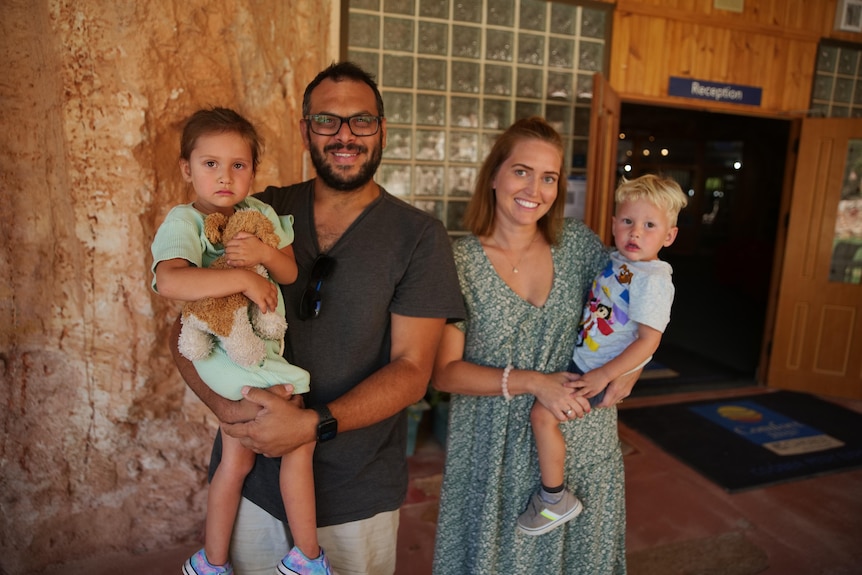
[662, 192]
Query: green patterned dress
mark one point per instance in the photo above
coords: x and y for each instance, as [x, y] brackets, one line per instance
[491, 464]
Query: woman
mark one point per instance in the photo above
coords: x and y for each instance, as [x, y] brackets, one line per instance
[524, 273]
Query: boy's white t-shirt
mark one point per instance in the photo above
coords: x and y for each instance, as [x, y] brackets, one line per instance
[623, 296]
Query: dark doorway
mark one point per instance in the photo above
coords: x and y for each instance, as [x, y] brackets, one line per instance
[732, 168]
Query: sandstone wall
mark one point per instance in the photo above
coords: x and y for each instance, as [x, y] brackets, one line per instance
[101, 446]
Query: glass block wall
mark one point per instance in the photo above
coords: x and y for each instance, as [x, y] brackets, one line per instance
[456, 73]
[837, 89]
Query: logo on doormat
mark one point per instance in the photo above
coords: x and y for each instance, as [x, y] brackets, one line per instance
[766, 428]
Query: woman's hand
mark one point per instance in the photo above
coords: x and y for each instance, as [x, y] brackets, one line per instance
[556, 393]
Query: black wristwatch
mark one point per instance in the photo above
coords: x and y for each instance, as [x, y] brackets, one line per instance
[327, 427]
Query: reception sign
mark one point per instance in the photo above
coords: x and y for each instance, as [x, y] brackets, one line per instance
[715, 91]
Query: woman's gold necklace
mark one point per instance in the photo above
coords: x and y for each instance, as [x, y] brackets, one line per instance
[520, 259]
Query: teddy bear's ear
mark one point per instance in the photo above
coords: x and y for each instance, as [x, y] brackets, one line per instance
[264, 230]
[214, 226]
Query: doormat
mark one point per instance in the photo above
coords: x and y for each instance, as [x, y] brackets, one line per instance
[754, 441]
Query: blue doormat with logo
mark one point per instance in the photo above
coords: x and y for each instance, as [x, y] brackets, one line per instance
[753, 441]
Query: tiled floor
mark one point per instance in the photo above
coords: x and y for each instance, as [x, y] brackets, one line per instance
[678, 521]
[681, 523]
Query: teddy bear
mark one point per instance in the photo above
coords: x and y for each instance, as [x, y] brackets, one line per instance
[234, 320]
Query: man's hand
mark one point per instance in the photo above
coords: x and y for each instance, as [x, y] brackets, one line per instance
[281, 425]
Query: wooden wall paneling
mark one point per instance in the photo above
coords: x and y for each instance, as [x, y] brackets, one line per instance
[781, 66]
[721, 50]
[654, 54]
[684, 55]
[621, 58]
[802, 18]
[627, 61]
[774, 51]
[795, 86]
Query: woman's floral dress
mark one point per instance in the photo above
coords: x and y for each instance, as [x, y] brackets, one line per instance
[491, 464]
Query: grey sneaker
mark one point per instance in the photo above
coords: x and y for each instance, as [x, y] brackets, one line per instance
[541, 517]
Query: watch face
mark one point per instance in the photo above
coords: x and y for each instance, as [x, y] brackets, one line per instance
[327, 430]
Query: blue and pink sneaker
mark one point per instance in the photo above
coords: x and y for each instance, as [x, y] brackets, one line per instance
[197, 564]
[296, 563]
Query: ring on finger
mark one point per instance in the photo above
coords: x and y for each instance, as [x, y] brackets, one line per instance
[569, 413]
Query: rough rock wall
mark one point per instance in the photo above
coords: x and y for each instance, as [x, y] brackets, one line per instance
[102, 448]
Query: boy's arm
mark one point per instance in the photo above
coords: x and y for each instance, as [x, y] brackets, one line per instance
[630, 358]
[179, 280]
[247, 250]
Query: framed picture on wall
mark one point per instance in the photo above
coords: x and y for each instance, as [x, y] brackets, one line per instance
[849, 15]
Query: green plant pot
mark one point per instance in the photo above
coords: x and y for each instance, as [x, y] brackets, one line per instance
[441, 421]
[414, 417]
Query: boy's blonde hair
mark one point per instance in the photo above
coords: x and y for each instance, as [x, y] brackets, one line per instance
[664, 193]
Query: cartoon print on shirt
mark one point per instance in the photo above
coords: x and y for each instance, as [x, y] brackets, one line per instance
[625, 275]
[602, 314]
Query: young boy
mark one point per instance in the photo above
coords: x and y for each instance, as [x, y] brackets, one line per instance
[627, 310]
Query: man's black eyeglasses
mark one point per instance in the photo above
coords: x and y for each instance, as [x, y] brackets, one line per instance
[328, 125]
[309, 305]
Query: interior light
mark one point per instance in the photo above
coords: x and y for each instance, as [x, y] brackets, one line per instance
[664, 152]
[737, 165]
[627, 167]
[622, 135]
[646, 152]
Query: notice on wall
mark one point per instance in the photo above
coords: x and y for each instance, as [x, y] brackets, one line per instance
[729, 5]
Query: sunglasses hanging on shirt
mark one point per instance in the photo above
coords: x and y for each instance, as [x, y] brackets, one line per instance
[310, 304]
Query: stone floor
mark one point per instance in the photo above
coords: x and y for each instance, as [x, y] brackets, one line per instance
[678, 521]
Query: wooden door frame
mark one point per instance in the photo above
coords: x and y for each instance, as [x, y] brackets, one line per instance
[780, 248]
[602, 158]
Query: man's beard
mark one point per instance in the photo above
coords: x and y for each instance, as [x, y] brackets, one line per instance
[334, 178]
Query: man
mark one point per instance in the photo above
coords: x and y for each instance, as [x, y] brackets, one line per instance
[376, 286]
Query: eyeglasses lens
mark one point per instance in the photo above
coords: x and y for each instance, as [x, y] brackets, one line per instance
[329, 125]
[309, 305]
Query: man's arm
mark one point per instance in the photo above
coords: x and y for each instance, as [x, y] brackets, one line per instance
[399, 384]
[282, 425]
[226, 410]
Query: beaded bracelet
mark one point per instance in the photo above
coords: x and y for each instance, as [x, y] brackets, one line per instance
[504, 383]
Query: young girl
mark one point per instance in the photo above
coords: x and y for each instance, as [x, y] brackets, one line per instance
[219, 155]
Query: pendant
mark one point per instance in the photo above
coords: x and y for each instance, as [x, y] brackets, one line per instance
[515, 270]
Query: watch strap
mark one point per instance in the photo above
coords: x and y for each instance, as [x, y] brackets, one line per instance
[327, 426]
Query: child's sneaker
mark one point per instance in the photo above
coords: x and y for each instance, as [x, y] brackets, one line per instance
[541, 517]
[197, 564]
[296, 563]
